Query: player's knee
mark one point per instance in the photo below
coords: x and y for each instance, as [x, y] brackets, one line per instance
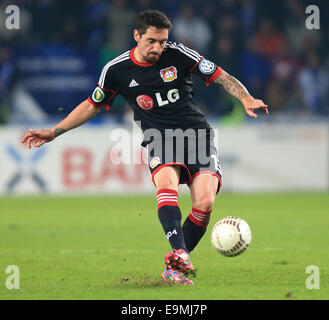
[166, 183]
[205, 203]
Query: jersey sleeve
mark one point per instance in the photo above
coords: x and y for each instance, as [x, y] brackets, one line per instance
[207, 70]
[105, 91]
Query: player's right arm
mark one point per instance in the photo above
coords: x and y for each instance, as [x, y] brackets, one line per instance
[81, 114]
[103, 95]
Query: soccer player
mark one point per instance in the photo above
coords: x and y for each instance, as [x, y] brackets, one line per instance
[155, 78]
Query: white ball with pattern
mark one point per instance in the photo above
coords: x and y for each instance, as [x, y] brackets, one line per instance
[231, 236]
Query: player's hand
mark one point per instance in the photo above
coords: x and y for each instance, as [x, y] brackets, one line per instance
[37, 137]
[250, 104]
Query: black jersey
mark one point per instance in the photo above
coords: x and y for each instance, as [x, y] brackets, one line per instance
[160, 93]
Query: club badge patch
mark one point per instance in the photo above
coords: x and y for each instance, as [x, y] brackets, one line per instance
[98, 95]
[154, 162]
[206, 66]
[168, 74]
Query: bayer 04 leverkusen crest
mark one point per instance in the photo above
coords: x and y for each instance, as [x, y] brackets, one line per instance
[168, 74]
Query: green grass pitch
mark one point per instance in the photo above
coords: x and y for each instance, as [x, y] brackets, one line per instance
[112, 247]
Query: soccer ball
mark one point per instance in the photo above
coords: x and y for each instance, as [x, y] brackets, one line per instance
[231, 236]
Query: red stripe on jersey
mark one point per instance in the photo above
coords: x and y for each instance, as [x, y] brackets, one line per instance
[143, 64]
[214, 76]
[103, 88]
[195, 65]
[92, 102]
[107, 107]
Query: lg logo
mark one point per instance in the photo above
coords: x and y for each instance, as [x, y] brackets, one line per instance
[146, 102]
[13, 19]
[172, 97]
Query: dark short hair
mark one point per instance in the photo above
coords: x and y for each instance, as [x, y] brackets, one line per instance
[154, 18]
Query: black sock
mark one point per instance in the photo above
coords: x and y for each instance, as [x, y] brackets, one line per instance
[195, 227]
[170, 217]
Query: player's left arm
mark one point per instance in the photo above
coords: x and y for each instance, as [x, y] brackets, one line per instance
[234, 87]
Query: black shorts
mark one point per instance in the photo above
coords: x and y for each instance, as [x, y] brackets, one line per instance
[194, 152]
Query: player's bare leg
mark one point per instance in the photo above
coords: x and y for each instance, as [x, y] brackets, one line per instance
[203, 193]
[177, 262]
[167, 178]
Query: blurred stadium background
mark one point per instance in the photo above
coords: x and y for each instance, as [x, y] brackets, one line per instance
[53, 62]
[111, 246]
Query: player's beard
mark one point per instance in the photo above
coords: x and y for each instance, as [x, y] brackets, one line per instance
[152, 58]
